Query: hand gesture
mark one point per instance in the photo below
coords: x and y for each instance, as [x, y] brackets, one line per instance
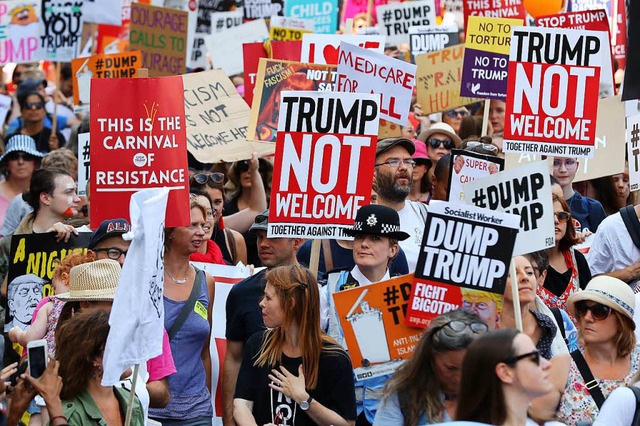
[49, 384]
[63, 232]
[291, 386]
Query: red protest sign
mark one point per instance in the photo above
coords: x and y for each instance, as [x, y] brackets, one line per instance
[594, 20]
[494, 9]
[553, 88]
[323, 168]
[138, 141]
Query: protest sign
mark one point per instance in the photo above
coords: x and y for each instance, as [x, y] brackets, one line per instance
[467, 166]
[351, 8]
[161, 35]
[221, 21]
[323, 168]
[387, 129]
[32, 260]
[395, 19]
[225, 46]
[251, 54]
[438, 81]
[84, 161]
[633, 150]
[19, 40]
[207, 9]
[216, 118]
[120, 65]
[486, 57]
[432, 38]
[60, 29]
[610, 142]
[494, 9]
[283, 29]
[286, 34]
[618, 27]
[454, 8]
[218, 22]
[553, 85]
[256, 9]
[273, 78]
[465, 255]
[324, 48]
[523, 191]
[107, 12]
[5, 106]
[372, 320]
[195, 43]
[138, 141]
[324, 13]
[364, 71]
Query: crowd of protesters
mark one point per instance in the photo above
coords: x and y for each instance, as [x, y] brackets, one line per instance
[575, 361]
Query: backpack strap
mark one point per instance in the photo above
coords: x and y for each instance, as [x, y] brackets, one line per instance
[636, 414]
[590, 382]
[630, 219]
[560, 321]
[189, 305]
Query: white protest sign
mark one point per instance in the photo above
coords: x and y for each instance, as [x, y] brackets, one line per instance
[395, 19]
[633, 149]
[467, 166]
[108, 12]
[429, 39]
[324, 48]
[221, 21]
[524, 191]
[225, 47]
[364, 71]
[294, 23]
[5, 105]
[84, 158]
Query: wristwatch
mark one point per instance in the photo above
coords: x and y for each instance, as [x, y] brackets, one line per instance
[304, 405]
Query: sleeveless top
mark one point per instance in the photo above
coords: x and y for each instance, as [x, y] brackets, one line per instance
[52, 323]
[190, 397]
[560, 302]
[577, 404]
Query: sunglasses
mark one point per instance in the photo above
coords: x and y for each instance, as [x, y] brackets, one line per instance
[19, 155]
[207, 178]
[454, 114]
[533, 356]
[562, 216]
[243, 166]
[113, 253]
[435, 143]
[34, 105]
[487, 146]
[598, 312]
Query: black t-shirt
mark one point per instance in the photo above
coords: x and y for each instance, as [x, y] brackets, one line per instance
[557, 283]
[244, 316]
[250, 238]
[334, 390]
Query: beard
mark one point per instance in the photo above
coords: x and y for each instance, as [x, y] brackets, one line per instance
[388, 188]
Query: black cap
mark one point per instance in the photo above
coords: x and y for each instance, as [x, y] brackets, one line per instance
[375, 219]
[386, 144]
[109, 228]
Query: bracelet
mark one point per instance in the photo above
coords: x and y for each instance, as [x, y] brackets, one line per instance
[58, 417]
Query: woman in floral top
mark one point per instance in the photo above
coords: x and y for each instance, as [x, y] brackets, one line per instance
[604, 312]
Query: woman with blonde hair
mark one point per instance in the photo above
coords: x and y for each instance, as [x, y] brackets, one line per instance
[293, 373]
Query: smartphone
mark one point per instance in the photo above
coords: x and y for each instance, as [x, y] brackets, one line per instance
[37, 357]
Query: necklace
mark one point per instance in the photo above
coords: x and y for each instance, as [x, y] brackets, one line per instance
[174, 280]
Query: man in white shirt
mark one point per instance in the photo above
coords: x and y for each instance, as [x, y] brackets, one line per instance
[392, 181]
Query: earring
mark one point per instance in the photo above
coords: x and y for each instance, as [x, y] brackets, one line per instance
[97, 372]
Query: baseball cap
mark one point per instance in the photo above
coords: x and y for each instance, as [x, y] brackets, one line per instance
[386, 144]
[109, 228]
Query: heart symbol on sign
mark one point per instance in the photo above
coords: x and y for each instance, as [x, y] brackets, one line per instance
[330, 54]
[475, 87]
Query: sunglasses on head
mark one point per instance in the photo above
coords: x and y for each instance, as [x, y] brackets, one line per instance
[533, 356]
[562, 216]
[435, 143]
[459, 326]
[210, 178]
[487, 146]
[454, 114]
[34, 105]
[599, 312]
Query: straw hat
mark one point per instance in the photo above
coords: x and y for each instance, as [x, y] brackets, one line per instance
[94, 281]
[608, 291]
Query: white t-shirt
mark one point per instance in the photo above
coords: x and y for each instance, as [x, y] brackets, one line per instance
[619, 407]
[412, 219]
[612, 248]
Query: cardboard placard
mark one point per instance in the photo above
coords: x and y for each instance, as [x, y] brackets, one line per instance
[465, 254]
[523, 191]
[513, 9]
[216, 118]
[138, 141]
[372, 320]
[32, 260]
[323, 168]
[633, 150]
[486, 57]
[324, 13]
[432, 38]
[438, 81]
[120, 65]
[224, 47]
[84, 162]
[553, 87]
[161, 35]
[363, 71]
[20, 40]
[275, 76]
[395, 19]
[324, 48]
[467, 166]
[107, 12]
[60, 29]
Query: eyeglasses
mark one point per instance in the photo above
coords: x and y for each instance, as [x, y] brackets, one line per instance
[568, 164]
[435, 143]
[453, 114]
[396, 163]
[598, 312]
[203, 178]
[459, 326]
[533, 356]
[562, 216]
[113, 253]
[34, 105]
[487, 146]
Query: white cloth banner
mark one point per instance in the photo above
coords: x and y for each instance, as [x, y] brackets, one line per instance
[137, 315]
